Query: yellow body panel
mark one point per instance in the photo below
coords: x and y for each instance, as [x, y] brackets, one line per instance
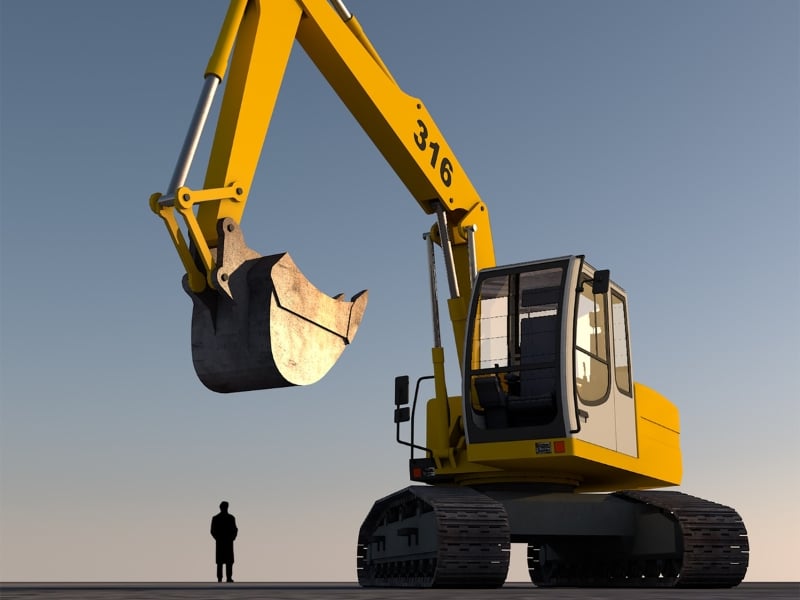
[587, 467]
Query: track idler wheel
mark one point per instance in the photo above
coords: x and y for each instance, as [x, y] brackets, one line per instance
[266, 326]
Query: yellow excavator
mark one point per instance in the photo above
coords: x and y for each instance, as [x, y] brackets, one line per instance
[548, 409]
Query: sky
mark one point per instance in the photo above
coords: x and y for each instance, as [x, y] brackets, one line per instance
[661, 139]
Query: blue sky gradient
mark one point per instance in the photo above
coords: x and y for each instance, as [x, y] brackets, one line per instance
[661, 139]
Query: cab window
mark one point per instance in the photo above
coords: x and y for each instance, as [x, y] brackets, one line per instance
[622, 362]
[591, 347]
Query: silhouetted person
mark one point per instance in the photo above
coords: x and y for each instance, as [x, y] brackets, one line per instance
[223, 529]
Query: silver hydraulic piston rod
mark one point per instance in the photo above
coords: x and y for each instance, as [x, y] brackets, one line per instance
[437, 336]
[447, 250]
[473, 258]
[190, 143]
[342, 11]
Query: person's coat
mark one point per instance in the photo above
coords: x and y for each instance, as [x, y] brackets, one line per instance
[223, 530]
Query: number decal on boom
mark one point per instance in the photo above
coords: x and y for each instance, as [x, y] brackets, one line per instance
[445, 165]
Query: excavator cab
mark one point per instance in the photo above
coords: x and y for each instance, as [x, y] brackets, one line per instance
[547, 349]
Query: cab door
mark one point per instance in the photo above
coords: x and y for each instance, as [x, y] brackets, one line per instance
[601, 367]
[622, 385]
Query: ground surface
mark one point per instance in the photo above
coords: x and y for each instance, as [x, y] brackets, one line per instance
[348, 591]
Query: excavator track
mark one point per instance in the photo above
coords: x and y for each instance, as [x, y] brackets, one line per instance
[434, 537]
[715, 545]
[711, 550]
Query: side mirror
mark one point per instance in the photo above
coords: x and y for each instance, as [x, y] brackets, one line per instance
[401, 412]
[601, 281]
[401, 390]
[402, 415]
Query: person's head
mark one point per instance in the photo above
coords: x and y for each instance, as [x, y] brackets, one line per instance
[223, 506]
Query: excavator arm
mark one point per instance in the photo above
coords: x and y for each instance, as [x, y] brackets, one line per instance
[230, 296]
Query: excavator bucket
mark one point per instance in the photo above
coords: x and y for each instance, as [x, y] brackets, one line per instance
[267, 326]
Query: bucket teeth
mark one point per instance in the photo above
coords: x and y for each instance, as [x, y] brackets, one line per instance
[268, 327]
